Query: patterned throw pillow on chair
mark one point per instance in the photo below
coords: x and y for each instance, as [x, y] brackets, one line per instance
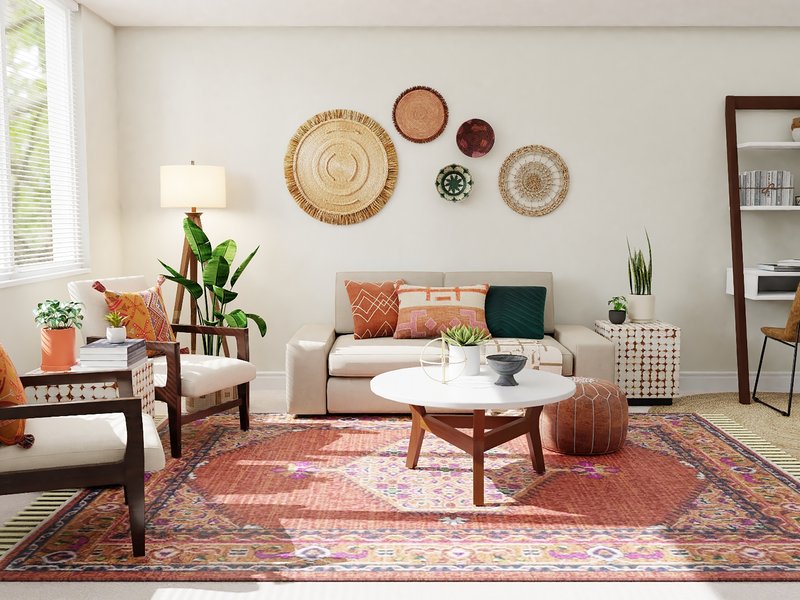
[374, 307]
[12, 431]
[145, 311]
[427, 311]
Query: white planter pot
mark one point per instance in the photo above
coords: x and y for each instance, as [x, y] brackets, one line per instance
[641, 308]
[115, 335]
[470, 355]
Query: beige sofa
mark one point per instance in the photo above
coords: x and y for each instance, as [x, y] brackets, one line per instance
[328, 371]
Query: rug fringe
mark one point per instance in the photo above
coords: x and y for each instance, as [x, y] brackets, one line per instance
[28, 519]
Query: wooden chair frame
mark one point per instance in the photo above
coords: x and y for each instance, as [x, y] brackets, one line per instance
[129, 472]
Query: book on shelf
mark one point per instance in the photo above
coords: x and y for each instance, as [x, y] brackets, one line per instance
[778, 267]
[111, 364]
[105, 349]
[794, 262]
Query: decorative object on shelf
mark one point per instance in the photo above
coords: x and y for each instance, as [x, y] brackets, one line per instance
[59, 321]
[420, 114]
[796, 129]
[454, 183]
[506, 366]
[341, 167]
[618, 306]
[115, 332]
[465, 342]
[641, 302]
[534, 180]
[445, 367]
[766, 188]
[475, 138]
[647, 359]
[215, 267]
[191, 186]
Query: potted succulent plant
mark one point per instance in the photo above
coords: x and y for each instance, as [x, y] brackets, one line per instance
[115, 332]
[464, 342]
[618, 306]
[641, 302]
[58, 321]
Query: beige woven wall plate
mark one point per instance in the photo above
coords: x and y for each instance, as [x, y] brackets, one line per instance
[341, 167]
[420, 114]
[534, 180]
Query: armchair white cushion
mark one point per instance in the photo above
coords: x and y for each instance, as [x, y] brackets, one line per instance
[202, 374]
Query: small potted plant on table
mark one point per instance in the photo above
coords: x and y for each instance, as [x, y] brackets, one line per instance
[617, 313]
[59, 321]
[641, 302]
[464, 342]
[115, 332]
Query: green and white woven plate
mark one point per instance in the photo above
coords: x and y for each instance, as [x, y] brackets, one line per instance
[454, 183]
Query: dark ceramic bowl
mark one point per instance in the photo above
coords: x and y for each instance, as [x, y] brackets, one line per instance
[506, 365]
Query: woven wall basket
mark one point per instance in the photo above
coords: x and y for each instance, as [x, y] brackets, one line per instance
[534, 180]
[341, 167]
[420, 114]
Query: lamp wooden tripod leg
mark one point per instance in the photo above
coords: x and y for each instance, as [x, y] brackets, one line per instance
[189, 270]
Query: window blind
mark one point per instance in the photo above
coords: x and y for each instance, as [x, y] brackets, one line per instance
[41, 217]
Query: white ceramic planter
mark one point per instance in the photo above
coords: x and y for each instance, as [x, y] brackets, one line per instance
[641, 308]
[115, 335]
[470, 355]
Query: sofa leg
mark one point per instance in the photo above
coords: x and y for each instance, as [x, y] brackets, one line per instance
[244, 406]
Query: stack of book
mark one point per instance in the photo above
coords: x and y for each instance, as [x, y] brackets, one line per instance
[766, 188]
[788, 265]
[102, 354]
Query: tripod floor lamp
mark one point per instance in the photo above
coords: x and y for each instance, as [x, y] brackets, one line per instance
[191, 186]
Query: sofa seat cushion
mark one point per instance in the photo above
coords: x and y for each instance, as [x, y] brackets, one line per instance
[80, 440]
[350, 357]
[201, 374]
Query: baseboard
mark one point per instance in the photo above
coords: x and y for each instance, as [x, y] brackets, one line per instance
[269, 384]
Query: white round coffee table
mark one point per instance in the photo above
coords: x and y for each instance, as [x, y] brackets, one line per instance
[475, 394]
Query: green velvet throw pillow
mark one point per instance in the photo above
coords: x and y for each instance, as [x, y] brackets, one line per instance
[516, 311]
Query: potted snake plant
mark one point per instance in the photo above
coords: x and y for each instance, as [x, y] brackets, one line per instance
[641, 302]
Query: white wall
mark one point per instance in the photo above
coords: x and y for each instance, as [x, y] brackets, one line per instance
[636, 114]
[19, 334]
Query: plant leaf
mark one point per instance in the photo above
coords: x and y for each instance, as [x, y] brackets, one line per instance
[198, 241]
[226, 249]
[236, 318]
[224, 295]
[262, 325]
[195, 289]
[243, 266]
[215, 272]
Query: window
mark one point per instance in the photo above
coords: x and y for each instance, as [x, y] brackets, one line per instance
[41, 214]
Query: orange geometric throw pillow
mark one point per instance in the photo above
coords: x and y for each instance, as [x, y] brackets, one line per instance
[427, 311]
[12, 431]
[374, 307]
[145, 311]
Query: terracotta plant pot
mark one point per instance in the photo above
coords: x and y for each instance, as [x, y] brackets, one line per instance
[58, 349]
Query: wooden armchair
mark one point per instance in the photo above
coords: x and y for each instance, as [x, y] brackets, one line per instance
[179, 375]
[90, 445]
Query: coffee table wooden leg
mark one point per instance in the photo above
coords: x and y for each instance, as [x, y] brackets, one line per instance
[417, 435]
[478, 418]
[534, 438]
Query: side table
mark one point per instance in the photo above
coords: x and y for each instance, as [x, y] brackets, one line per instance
[647, 360]
[141, 378]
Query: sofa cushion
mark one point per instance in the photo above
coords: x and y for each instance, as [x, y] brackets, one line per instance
[343, 322]
[201, 374]
[426, 312]
[350, 357]
[80, 440]
[542, 278]
[12, 431]
[374, 307]
[516, 311]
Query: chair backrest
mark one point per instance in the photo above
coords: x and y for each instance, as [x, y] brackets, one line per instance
[94, 302]
[793, 321]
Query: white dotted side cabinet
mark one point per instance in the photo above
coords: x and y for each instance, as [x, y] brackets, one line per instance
[648, 359]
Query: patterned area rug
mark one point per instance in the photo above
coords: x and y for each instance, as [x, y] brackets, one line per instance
[331, 499]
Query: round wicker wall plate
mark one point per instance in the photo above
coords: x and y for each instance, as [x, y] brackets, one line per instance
[341, 167]
[454, 183]
[475, 138]
[420, 114]
[534, 180]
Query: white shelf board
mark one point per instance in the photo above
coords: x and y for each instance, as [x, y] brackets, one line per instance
[769, 208]
[769, 146]
[751, 286]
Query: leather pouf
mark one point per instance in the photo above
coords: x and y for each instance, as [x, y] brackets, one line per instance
[593, 421]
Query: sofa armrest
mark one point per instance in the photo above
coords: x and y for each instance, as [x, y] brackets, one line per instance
[593, 354]
[307, 370]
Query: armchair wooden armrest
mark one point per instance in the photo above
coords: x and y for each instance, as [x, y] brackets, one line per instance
[240, 334]
[127, 406]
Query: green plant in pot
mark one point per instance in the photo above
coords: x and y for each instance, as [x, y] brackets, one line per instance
[214, 293]
[618, 306]
[464, 342]
[641, 302]
[59, 321]
[115, 332]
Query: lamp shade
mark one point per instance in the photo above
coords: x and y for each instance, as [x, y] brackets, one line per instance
[185, 186]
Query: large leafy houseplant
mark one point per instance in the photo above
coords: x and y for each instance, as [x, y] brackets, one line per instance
[214, 292]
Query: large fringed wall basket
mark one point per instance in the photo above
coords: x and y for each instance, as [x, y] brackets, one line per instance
[534, 180]
[341, 167]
